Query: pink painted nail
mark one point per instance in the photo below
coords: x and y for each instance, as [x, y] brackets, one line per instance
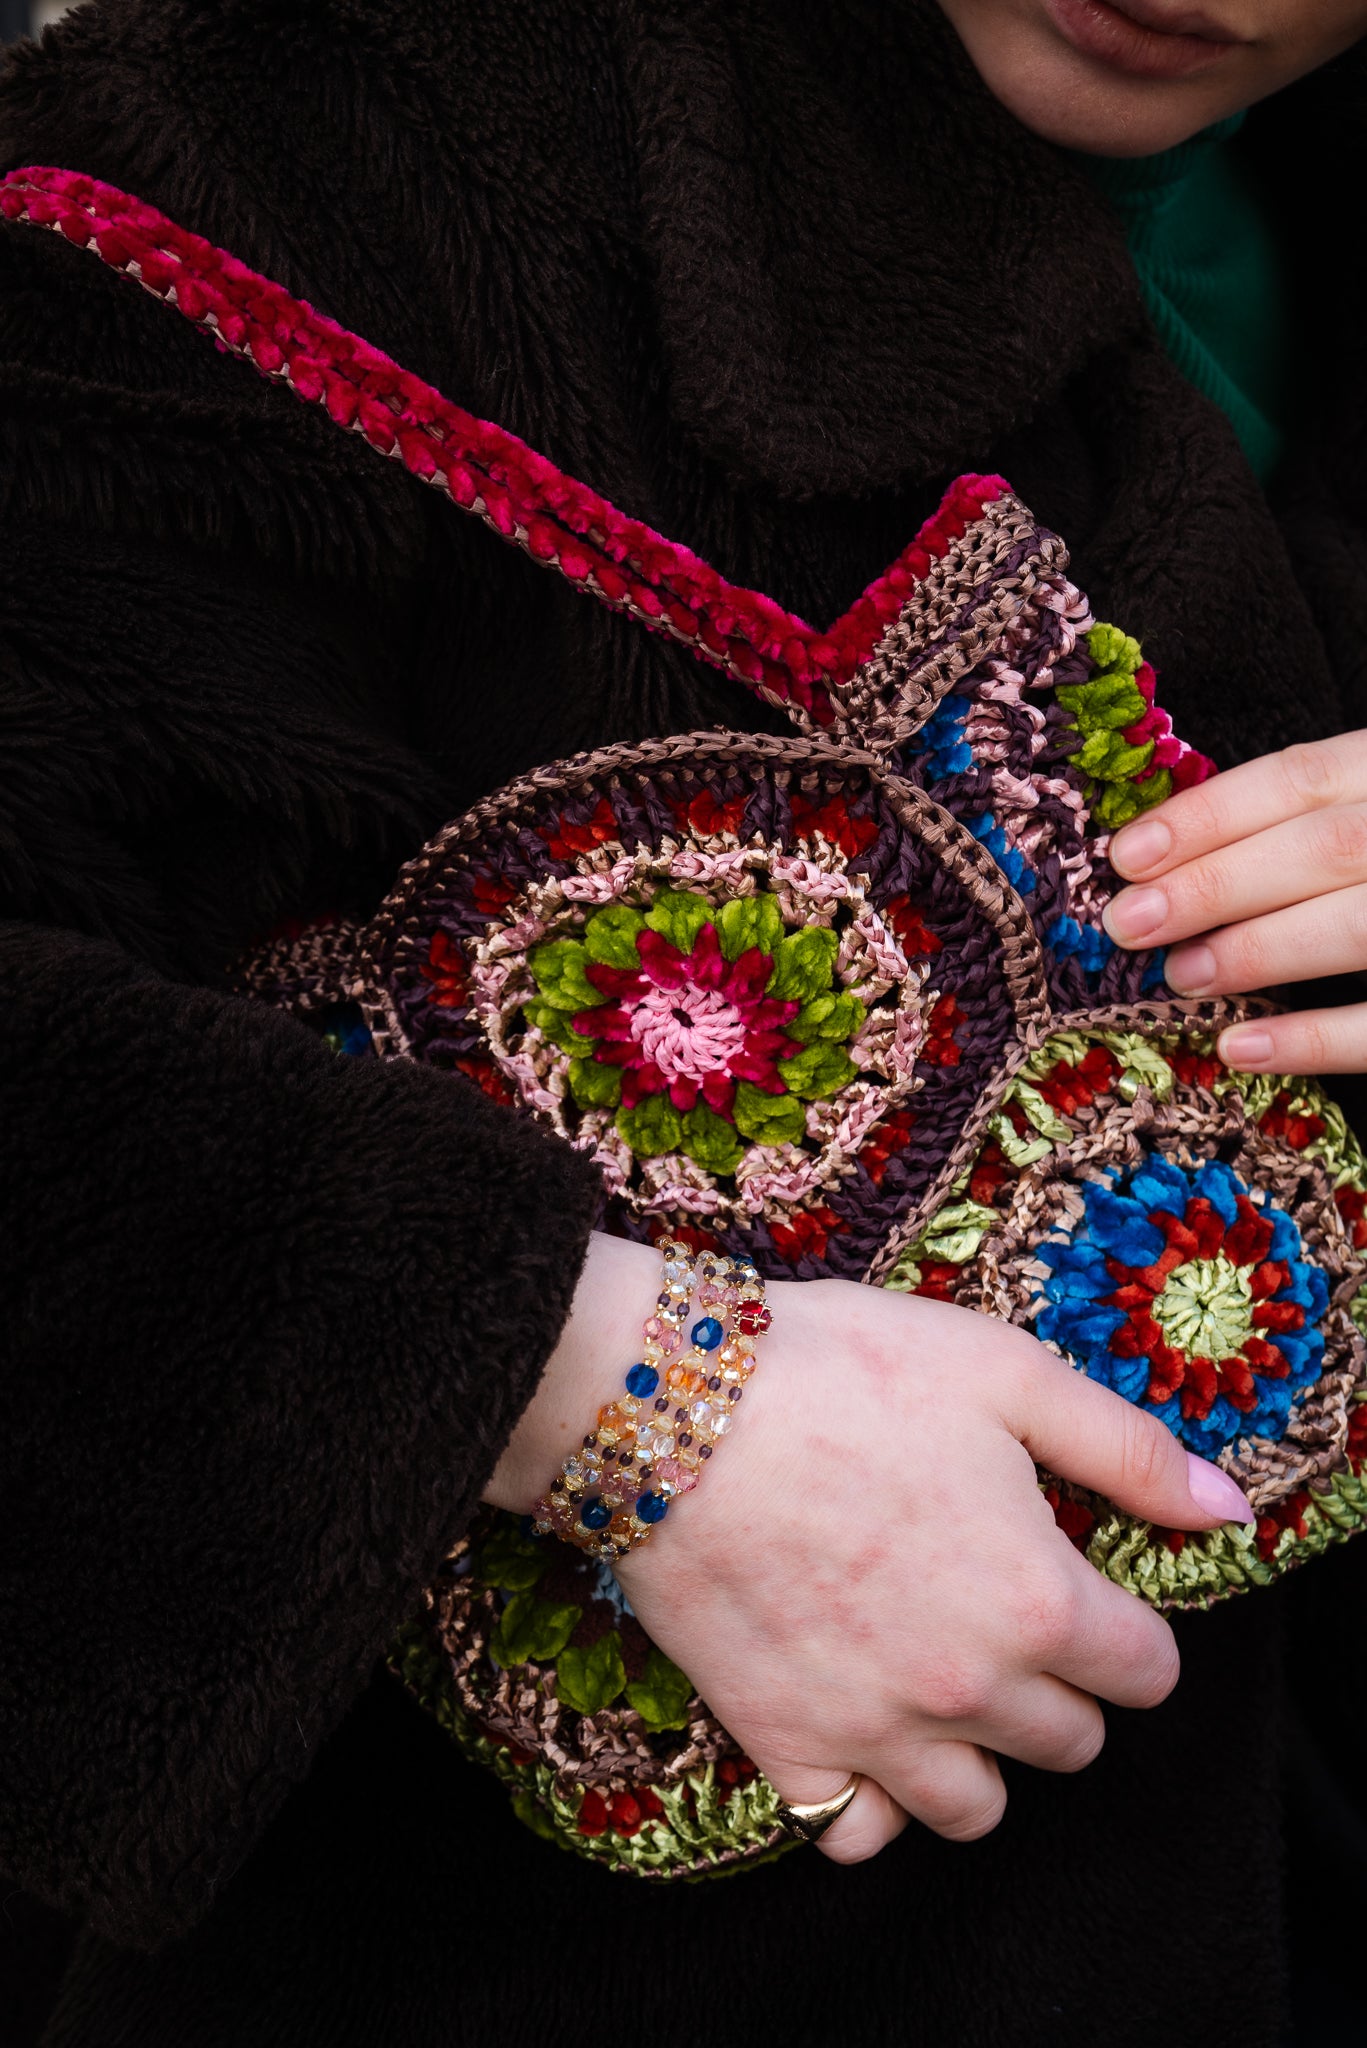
[1134, 913]
[1140, 846]
[1213, 1492]
[1189, 969]
[1245, 1047]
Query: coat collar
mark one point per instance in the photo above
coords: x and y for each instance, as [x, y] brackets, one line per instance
[867, 272]
[866, 269]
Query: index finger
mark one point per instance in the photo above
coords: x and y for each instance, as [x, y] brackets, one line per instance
[1240, 802]
[1119, 1649]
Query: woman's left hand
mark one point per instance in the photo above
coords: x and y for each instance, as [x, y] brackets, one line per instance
[1256, 878]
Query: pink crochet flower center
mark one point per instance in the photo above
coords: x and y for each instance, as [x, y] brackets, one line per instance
[688, 1032]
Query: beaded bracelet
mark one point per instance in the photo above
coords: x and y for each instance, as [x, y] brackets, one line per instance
[652, 1442]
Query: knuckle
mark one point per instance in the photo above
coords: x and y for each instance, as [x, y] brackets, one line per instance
[1340, 842]
[1022, 1371]
[1160, 1671]
[1313, 1043]
[1245, 955]
[972, 1819]
[1200, 818]
[860, 1833]
[1082, 1745]
[1203, 819]
[955, 1690]
[1309, 774]
[870, 1724]
[1203, 888]
[953, 1788]
[1145, 1451]
[1050, 1615]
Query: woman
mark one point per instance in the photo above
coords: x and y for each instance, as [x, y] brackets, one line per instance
[768, 277]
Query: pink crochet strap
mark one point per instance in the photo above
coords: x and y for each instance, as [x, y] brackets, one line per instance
[483, 468]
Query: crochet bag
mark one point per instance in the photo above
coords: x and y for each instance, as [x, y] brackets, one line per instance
[842, 1001]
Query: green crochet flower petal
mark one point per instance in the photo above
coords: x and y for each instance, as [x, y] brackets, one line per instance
[818, 1071]
[661, 1697]
[711, 1141]
[530, 1628]
[678, 915]
[558, 970]
[769, 1119]
[556, 1026]
[749, 921]
[833, 1018]
[588, 1680]
[1118, 802]
[1110, 648]
[1105, 704]
[954, 1232]
[509, 1560]
[610, 935]
[803, 965]
[595, 1086]
[653, 1128]
[1111, 758]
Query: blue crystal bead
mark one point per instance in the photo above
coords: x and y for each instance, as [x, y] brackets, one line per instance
[707, 1334]
[595, 1513]
[642, 1380]
[652, 1507]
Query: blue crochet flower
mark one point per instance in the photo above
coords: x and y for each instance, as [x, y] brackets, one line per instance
[1066, 938]
[944, 750]
[1182, 1292]
[1012, 864]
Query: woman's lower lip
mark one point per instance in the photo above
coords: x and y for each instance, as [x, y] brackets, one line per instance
[1112, 38]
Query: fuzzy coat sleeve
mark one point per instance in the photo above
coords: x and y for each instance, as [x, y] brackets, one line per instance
[267, 1316]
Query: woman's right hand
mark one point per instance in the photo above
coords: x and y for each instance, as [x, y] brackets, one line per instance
[869, 1578]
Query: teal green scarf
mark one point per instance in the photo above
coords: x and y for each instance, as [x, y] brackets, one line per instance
[1213, 276]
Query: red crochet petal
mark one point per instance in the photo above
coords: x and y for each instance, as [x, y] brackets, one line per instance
[664, 964]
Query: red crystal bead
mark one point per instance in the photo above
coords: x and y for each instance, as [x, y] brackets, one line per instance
[753, 1318]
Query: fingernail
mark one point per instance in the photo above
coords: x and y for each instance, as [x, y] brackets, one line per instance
[1134, 913]
[1243, 1045]
[1140, 846]
[1189, 969]
[1214, 1492]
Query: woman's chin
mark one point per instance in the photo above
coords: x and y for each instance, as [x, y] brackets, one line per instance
[1122, 120]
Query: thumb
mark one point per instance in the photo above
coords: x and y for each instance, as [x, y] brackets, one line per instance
[1086, 1433]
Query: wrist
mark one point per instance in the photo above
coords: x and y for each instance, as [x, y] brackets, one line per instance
[717, 1523]
[601, 1334]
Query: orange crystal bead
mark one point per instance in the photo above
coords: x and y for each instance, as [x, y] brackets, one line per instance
[613, 1426]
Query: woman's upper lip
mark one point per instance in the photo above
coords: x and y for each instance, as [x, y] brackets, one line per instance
[1182, 21]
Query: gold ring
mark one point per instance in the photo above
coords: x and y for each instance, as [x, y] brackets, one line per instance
[809, 1823]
